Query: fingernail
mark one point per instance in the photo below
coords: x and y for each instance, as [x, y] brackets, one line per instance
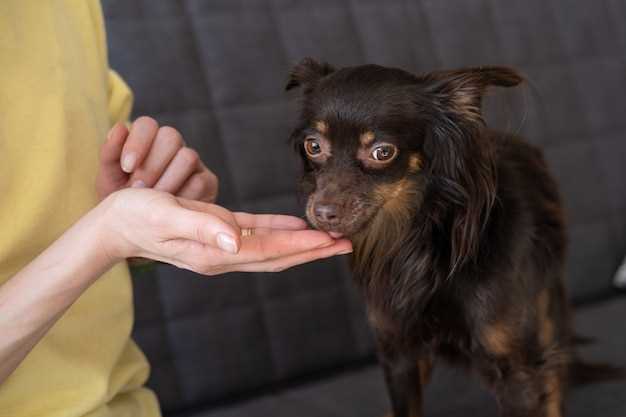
[226, 243]
[128, 163]
[139, 184]
[345, 252]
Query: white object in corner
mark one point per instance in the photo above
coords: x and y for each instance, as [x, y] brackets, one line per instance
[620, 276]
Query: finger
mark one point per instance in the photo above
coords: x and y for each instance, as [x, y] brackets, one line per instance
[213, 183]
[266, 243]
[165, 146]
[203, 228]
[197, 187]
[279, 243]
[209, 208]
[263, 247]
[340, 247]
[111, 149]
[111, 176]
[247, 232]
[180, 168]
[210, 261]
[138, 143]
[271, 221]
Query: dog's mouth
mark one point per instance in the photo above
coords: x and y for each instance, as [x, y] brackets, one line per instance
[345, 225]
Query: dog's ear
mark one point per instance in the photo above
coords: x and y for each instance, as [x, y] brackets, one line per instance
[460, 154]
[307, 73]
[461, 91]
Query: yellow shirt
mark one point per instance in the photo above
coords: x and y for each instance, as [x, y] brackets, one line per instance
[58, 99]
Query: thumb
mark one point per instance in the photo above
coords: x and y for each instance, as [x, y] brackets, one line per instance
[207, 227]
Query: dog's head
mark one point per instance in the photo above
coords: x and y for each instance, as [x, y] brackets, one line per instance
[380, 144]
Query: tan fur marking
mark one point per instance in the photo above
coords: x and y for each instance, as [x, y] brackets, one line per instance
[415, 162]
[389, 223]
[546, 338]
[497, 339]
[367, 138]
[391, 195]
[378, 321]
[394, 190]
[553, 391]
[425, 367]
[321, 126]
[546, 326]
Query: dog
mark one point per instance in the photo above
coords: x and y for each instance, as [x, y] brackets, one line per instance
[458, 230]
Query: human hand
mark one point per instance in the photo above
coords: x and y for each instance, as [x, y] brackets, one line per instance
[155, 157]
[206, 238]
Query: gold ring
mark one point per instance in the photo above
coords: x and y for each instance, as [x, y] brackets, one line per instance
[247, 232]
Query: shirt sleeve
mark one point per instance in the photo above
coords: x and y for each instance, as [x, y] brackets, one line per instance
[120, 99]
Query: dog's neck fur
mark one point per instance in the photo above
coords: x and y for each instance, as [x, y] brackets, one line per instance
[383, 248]
[387, 231]
[400, 259]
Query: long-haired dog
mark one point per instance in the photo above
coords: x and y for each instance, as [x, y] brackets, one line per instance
[458, 230]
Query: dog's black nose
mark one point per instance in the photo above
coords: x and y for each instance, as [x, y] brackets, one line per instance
[326, 213]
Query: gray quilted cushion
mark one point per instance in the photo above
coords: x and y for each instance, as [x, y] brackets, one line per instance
[216, 70]
[451, 393]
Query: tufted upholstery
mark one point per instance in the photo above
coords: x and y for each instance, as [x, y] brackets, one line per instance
[216, 71]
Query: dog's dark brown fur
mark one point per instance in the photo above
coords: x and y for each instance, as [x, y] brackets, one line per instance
[459, 238]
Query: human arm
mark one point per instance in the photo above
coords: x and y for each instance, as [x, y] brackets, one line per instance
[151, 224]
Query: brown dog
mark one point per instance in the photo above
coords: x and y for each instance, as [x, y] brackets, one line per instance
[458, 230]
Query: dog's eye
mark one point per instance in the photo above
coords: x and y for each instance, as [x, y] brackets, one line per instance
[312, 147]
[384, 153]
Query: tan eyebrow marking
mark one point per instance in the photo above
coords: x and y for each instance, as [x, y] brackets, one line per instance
[367, 138]
[415, 162]
[321, 126]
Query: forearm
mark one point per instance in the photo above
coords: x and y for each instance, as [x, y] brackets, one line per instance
[37, 296]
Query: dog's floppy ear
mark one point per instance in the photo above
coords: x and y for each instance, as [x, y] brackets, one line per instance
[461, 91]
[460, 155]
[307, 73]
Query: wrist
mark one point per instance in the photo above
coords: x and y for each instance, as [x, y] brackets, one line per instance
[108, 243]
[97, 249]
[72, 263]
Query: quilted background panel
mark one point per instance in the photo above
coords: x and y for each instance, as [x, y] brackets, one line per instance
[216, 69]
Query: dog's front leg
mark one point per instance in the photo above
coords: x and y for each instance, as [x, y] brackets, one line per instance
[405, 377]
[527, 390]
[526, 395]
